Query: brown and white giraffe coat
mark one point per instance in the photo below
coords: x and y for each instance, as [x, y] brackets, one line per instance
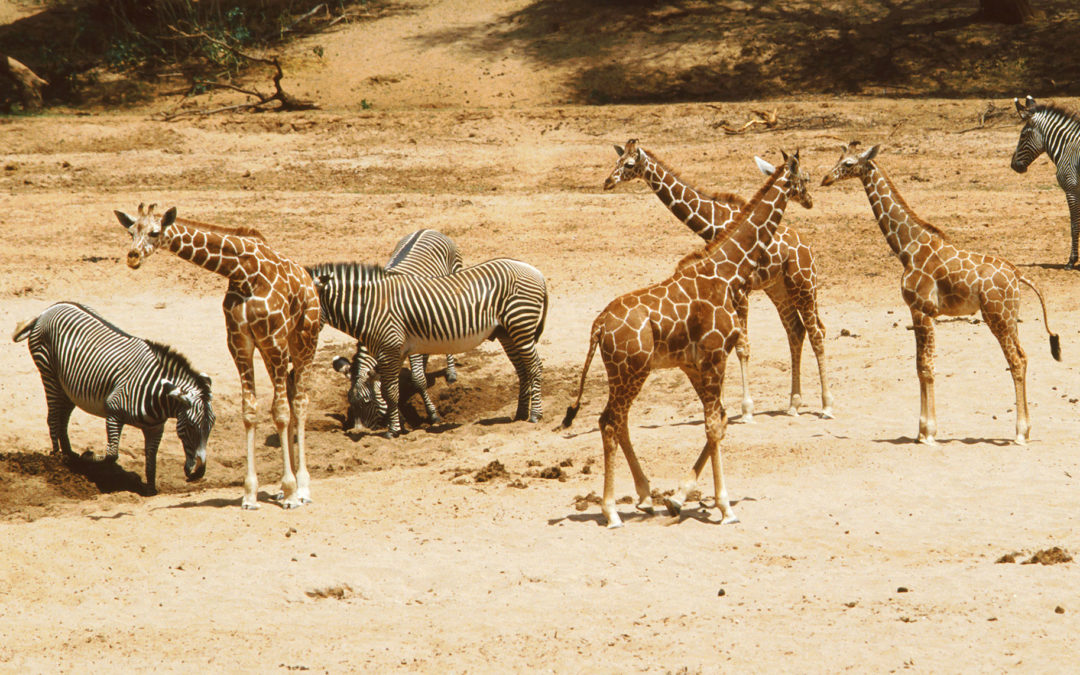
[941, 279]
[271, 305]
[689, 322]
[787, 272]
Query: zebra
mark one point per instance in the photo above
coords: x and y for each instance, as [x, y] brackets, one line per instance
[395, 315]
[1056, 132]
[86, 361]
[424, 253]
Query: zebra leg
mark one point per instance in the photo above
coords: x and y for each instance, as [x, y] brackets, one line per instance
[529, 368]
[1073, 198]
[418, 371]
[388, 366]
[113, 428]
[151, 441]
[60, 408]
[451, 369]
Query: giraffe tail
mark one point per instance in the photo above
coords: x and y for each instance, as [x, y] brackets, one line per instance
[22, 329]
[1055, 341]
[572, 411]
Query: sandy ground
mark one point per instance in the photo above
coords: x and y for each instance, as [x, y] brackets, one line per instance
[405, 561]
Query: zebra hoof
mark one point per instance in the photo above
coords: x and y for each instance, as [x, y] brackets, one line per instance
[535, 418]
[435, 418]
[451, 377]
[390, 434]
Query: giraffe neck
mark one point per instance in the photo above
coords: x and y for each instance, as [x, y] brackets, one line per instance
[218, 252]
[704, 215]
[898, 222]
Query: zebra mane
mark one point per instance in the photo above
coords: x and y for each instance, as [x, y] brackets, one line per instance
[744, 215]
[242, 231]
[175, 362]
[724, 197]
[1054, 109]
[362, 271]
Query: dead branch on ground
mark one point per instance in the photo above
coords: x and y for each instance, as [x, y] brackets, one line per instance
[990, 116]
[767, 118]
[285, 102]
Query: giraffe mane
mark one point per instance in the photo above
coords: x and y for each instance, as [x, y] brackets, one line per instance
[724, 197]
[242, 231]
[899, 199]
[744, 215]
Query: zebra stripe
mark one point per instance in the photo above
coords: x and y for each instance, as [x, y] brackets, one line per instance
[424, 253]
[87, 362]
[1056, 132]
[396, 315]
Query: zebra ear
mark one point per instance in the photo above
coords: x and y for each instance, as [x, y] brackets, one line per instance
[170, 390]
[342, 365]
[125, 220]
[322, 281]
[620, 149]
[1024, 109]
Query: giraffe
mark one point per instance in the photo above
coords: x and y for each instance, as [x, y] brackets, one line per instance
[271, 305]
[788, 274]
[941, 279]
[688, 321]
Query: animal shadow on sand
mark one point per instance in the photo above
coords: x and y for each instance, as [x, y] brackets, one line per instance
[703, 513]
[909, 440]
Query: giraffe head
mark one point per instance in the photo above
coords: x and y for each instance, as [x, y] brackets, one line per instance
[796, 177]
[852, 164]
[1032, 142]
[631, 165]
[147, 232]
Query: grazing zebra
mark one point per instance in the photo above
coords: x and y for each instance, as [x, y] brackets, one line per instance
[86, 361]
[1056, 132]
[395, 315]
[424, 253]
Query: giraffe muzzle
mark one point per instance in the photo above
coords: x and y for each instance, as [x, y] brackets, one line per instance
[134, 259]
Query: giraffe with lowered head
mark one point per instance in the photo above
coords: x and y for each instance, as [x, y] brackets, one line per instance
[270, 305]
[941, 279]
[787, 274]
[689, 321]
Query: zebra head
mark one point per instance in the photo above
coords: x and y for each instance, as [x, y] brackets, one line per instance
[631, 165]
[1032, 142]
[366, 402]
[852, 164]
[147, 232]
[194, 421]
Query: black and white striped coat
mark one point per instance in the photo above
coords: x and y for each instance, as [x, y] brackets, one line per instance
[87, 362]
[1056, 132]
[396, 315]
[424, 253]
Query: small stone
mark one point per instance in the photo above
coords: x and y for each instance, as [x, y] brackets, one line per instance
[721, 593]
[1059, 610]
[902, 589]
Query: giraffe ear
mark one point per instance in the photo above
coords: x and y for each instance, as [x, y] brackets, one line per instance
[125, 220]
[784, 155]
[620, 149]
[168, 219]
[764, 167]
[870, 154]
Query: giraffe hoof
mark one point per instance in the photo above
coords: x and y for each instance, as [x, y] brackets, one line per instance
[1021, 440]
[249, 506]
[646, 506]
[793, 411]
[614, 522]
[730, 519]
[927, 440]
[743, 419]
[291, 503]
[674, 507]
[827, 414]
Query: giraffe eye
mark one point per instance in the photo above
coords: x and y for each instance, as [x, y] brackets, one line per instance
[154, 233]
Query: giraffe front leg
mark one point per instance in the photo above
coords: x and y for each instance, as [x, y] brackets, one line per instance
[924, 365]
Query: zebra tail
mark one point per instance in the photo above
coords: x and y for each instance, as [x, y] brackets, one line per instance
[1055, 341]
[22, 329]
[572, 411]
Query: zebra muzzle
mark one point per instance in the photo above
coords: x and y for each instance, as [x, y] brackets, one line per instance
[194, 469]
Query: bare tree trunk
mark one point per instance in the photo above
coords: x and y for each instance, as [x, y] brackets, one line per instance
[25, 80]
[1006, 11]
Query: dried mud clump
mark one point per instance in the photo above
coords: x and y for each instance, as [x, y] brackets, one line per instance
[581, 502]
[1049, 556]
[339, 592]
[492, 471]
[553, 473]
